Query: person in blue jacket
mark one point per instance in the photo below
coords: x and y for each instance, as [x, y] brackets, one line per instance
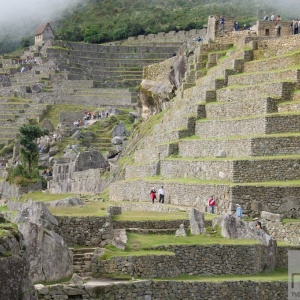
[238, 212]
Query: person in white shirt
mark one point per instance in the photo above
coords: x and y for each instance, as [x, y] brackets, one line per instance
[161, 194]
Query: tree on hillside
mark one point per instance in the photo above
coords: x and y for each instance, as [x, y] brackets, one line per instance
[29, 150]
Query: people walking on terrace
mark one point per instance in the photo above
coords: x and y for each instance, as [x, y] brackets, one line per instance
[161, 195]
[153, 194]
[212, 204]
[238, 212]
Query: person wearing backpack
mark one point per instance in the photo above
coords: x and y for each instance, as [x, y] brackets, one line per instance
[211, 204]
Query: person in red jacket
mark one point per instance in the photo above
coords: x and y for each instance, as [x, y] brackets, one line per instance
[211, 204]
[153, 194]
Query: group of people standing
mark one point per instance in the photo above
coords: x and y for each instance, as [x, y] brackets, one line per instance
[161, 195]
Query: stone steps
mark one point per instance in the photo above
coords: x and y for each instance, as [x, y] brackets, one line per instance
[82, 261]
[249, 126]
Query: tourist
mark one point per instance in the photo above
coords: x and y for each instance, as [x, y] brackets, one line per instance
[278, 19]
[272, 18]
[153, 195]
[295, 26]
[222, 23]
[211, 204]
[258, 223]
[161, 195]
[277, 29]
[236, 26]
[238, 212]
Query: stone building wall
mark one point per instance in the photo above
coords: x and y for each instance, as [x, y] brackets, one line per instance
[162, 290]
[193, 260]
[267, 28]
[84, 231]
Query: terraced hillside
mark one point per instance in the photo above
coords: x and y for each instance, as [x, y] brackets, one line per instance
[108, 65]
[233, 133]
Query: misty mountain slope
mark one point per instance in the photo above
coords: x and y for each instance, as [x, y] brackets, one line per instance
[98, 21]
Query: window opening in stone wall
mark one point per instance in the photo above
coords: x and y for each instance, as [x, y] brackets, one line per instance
[59, 169]
[267, 32]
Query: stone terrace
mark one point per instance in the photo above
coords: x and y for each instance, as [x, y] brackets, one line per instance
[108, 65]
[237, 121]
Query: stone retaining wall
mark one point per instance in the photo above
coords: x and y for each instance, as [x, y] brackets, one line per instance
[281, 199]
[193, 260]
[85, 231]
[166, 290]
[173, 224]
[183, 194]
[289, 232]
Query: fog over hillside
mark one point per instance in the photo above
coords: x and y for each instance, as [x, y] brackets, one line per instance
[18, 13]
[21, 18]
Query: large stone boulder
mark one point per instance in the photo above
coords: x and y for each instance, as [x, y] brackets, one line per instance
[271, 217]
[152, 97]
[196, 219]
[50, 258]
[69, 201]
[178, 70]
[15, 283]
[120, 130]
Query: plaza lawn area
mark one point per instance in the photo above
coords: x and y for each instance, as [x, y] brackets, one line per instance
[150, 215]
[44, 197]
[155, 216]
[93, 209]
[147, 241]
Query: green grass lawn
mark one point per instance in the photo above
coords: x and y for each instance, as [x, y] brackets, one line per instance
[93, 209]
[150, 215]
[277, 275]
[285, 221]
[146, 241]
[155, 216]
[44, 197]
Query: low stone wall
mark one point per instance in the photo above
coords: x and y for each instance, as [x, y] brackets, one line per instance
[193, 260]
[138, 171]
[282, 255]
[85, 231]
[151, 224]
[289, 232]
[163, 290]
[13, 191]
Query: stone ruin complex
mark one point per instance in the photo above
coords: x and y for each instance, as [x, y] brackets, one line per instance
[230, 128]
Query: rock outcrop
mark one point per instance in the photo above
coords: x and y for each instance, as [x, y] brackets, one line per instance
[15, 284]
[50, 259]
[197, 224]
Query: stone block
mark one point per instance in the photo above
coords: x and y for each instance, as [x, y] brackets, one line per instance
[271, 216]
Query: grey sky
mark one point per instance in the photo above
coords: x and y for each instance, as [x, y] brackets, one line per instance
[21, 14]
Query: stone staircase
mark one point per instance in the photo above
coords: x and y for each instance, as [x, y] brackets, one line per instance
[82, 261]
[233, 133]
